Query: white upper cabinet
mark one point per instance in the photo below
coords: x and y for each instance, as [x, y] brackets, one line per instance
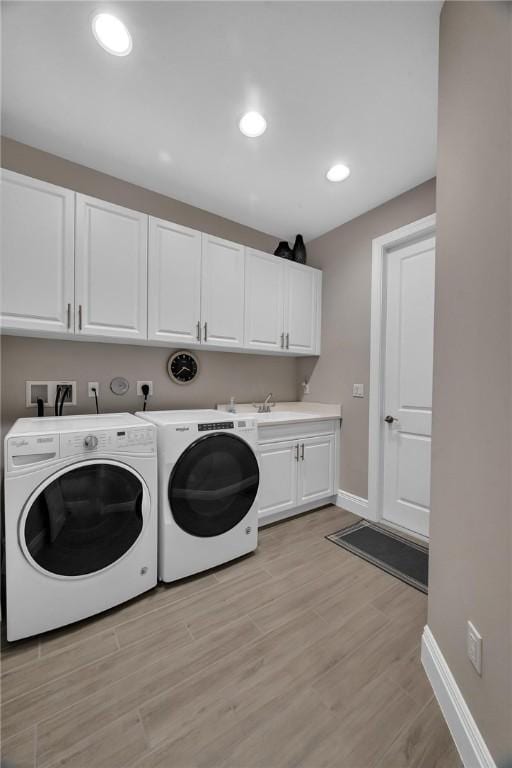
[222, 293]
[37, 256]
[264, 301]
[174, 283]
[110, 269]
[302, 310]
[73, 264]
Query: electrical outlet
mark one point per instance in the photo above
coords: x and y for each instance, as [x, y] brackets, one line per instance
[474, 647]
[92, 385]
[139, 388]
[358, 390]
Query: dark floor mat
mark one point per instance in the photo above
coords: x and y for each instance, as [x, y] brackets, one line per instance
[392, 553]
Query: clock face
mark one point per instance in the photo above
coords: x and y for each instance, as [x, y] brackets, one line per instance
[182, 367]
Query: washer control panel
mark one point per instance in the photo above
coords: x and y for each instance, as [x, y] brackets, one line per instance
[132, 440]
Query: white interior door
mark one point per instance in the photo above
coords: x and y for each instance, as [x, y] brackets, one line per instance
[174, 283]
[37, 265]
[110, 269]
[222, 292]
[264, 301]
[407, 395]
[278, 477]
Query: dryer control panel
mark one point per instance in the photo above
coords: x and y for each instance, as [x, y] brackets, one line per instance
[132, 440]
[217, 425]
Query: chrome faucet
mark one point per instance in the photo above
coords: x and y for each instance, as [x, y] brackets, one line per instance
[266, 405]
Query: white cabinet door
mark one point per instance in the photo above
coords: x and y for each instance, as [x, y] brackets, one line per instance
[222, 292]
[110, 270]
[174, 283]
[37, 245]
[264, 301]
[278, 477]
[302, 294]
[316, 468]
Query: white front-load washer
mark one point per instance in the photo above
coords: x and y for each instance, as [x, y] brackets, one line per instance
[80, 517]
[208, 478]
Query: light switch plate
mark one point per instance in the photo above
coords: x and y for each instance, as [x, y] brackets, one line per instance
[358, 390]
[474, 647]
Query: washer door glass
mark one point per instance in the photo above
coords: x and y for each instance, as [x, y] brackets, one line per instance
[85, 519]
[213, 485]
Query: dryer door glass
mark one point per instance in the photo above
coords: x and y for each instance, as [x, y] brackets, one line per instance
[85, 519]
[213, 485]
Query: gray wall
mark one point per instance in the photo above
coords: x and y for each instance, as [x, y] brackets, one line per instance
[221, 374]
[470, 550]
[345, 256]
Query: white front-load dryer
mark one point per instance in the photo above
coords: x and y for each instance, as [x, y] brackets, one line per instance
[208, 478]
[80, 517]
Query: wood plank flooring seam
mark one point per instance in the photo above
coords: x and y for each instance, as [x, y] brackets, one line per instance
[16, 666]
[144, 731]
[407, 726]
[56, 678]
[66, 757]
[402, 687]
[35, 744]
[127, 621]
[188, 678]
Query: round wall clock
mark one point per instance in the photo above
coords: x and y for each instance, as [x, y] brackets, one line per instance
[182, 367]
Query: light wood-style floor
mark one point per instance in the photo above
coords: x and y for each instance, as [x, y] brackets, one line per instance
[301, 655]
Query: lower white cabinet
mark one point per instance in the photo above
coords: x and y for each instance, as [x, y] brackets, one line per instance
[278, 477]
[297, 473]
[316, 479]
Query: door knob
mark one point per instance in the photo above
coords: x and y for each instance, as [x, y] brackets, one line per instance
[390, 419]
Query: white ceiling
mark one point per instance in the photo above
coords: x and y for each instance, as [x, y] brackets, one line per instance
[351, 82]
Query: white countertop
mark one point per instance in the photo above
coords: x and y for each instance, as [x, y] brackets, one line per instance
[288, 413]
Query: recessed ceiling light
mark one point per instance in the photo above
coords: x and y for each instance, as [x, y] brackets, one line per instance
[253, 124]
[338, 172]
[111, 34]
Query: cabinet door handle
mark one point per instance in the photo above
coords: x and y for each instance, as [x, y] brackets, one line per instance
[302, 451]
[206, 331]
[79, 317]
[287, 341]
[282, 340]
[297, 452]
[198, 330]
[69, 316]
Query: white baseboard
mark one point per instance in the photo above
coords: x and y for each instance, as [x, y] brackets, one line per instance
[275, 517]
[468, 739]
[355, 504]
